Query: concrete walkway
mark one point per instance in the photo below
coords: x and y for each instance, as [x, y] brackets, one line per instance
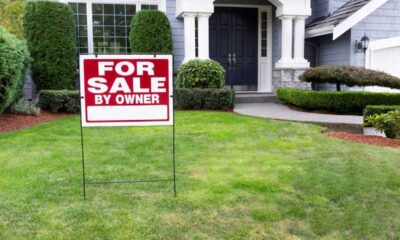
[282, 112]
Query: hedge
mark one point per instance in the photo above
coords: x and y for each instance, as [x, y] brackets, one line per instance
[60, 100]
[50, 32]
[14, 59]
[201, 74]
[150, 33]
[185, 99]
[204, 99]
[379, 109]
[337, 102]
[350, 76]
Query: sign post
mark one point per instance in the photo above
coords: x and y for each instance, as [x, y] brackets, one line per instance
[126, 90]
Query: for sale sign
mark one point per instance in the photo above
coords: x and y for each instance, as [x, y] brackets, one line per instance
[126, 90]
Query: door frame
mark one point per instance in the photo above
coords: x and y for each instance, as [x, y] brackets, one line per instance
[264, 74]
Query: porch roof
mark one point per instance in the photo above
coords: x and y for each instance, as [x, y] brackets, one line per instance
[343, 18]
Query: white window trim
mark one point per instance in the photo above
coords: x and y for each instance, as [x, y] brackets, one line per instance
[162, 6]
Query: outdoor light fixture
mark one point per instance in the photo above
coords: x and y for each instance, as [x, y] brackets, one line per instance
[363, 44]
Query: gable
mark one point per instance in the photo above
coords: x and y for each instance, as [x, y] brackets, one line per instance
[343, 18]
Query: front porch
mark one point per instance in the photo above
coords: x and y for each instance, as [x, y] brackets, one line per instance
[260, 43]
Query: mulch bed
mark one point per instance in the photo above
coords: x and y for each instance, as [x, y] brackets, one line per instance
[372, 140]
[13, 122]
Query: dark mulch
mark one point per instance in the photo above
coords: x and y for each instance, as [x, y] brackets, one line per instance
[372, 140]
[13, 122]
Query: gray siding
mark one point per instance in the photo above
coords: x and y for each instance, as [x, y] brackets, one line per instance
[333, 52]
[276, 38]
[382, 23]
[177, 33]
[335, 4]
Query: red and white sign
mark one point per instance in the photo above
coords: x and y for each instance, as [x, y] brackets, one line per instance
[126, 90]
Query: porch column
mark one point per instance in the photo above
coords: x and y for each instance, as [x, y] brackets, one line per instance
[299, 36]
[190, 35]
[287, 41]
[203, 31]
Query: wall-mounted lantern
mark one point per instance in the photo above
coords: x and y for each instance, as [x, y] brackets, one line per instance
[363, 44]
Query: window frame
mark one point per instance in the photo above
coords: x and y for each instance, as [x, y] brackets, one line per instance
[161, 4]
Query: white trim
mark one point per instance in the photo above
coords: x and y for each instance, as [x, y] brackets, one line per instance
[377, 45]
[357, 17]
[319, 31]
[265, 63]
[204, 35]
[89, 24]
[160, 3]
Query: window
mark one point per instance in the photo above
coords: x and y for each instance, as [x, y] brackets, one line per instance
[79, 10]
[106, 30]
[111, 25]
[149, 7]
[264, 35]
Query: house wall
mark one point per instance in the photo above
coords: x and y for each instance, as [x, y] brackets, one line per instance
[329, 53]
[177, 33]
[325, 7]
[382, 23]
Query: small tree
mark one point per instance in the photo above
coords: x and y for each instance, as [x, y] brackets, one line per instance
[50, 33]
[150, 33]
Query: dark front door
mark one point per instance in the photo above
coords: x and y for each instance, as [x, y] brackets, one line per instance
[233, 43]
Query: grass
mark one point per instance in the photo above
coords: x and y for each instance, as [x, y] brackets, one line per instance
[238, 178]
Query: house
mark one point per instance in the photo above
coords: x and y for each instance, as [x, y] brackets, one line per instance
[263, 44]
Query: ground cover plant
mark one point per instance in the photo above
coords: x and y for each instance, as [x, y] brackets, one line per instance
[238, 178]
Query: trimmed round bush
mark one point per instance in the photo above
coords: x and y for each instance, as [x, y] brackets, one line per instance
[150, 33]
[14, 58]
[201, 74]
[350, 76]
[50, 33]
[337, 102]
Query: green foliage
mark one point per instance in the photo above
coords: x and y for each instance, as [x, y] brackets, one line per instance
[11, 13]
[350, 76]
[201, 74]
[389, 123]
[23, 106]
[206, 99]
[338, 102]
[50, 32]
[14, 59]
[60, 100]
[379, 109]
[150, 33]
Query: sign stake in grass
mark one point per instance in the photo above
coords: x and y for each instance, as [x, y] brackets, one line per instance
[126, 90]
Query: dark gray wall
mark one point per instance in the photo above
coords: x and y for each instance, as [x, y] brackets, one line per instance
[177, 33]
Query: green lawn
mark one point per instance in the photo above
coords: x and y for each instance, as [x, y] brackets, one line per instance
[238, 178]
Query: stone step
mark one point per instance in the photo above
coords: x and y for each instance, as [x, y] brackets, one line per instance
[256, 98]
